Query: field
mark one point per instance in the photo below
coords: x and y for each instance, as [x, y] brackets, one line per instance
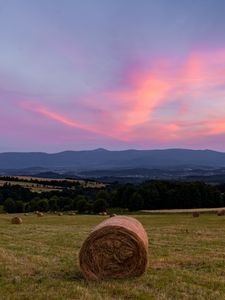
[39, 259]
[41, 186]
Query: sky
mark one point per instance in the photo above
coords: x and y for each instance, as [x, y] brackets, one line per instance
[114, 74]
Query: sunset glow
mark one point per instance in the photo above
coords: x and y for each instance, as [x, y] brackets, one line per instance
[110, 84]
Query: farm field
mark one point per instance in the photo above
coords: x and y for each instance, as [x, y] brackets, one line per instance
[40, 183]
[34, 187]
[39, 259]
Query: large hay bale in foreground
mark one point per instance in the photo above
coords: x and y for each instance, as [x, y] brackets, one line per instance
[16, 220]
[116, 248]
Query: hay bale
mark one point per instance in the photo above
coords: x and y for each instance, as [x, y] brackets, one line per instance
[16, 220]
[116, 248]
[221, 212]
[196, 214]
[60, 214]
[40, 214]
[112, 215]
[103, 213]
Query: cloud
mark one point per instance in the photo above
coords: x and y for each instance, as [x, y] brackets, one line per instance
[197, 85]
[162, 103]
[59, 118]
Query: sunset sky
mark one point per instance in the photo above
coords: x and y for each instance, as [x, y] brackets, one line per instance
[117, 74]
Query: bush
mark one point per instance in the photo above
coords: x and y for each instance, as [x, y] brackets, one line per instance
[135, 202]
[100, 205]
[9, 206]
[53, 203]
[34, 204]
[19, 207]
[43, 205]
[82, 205]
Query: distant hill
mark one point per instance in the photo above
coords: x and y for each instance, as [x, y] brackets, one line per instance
[101, 159]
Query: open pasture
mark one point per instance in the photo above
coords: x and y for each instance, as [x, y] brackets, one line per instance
[38, 185]
[39, 259]
[33, 187]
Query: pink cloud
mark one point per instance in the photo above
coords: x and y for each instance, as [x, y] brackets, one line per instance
[166, 103]
[59, 118]
[196, 83]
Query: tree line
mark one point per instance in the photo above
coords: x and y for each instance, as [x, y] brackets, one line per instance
[148, 195]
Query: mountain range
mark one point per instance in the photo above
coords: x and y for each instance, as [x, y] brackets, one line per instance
[102, 159]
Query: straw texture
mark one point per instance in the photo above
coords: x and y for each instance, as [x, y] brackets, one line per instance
[116, 248]
[16, 220]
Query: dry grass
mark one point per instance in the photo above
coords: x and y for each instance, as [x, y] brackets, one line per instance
[39, 187]
[39, 259]
[34, 187]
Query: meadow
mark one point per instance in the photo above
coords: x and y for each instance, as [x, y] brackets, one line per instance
[38, 184]
[39, 259]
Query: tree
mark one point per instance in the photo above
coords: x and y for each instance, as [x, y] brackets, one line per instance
[19, 207]
[43, 205]
[53, 203]
[81, 205]
[9, 205]
[135, 202]
[34, 204]
[1, 198]
[100, 205]
[102, 194]
[27, 207]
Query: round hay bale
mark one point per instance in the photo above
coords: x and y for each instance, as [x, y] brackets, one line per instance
[60, 214]
[72, 214]
[195, 214]
[16, 220]
[40, 214]
[221, 212]
[116, 248]
[103, 213]
[112, 215]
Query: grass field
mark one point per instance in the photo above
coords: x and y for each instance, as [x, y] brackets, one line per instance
[40, 186]
[39, 259]
[34, 187]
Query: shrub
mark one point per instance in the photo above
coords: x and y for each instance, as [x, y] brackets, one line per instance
[9, 206]
[100, 205]
[19, 207]
[43, 205]
[135, 202]
[82, 205]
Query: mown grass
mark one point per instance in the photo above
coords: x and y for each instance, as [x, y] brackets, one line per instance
[39, 259]
[41, 186]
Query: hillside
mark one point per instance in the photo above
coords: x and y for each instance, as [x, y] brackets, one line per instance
[101, 159]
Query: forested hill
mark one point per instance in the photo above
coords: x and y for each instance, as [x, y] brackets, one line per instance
[101, 159]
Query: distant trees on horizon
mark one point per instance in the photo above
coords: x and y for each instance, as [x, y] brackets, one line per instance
[148, 195]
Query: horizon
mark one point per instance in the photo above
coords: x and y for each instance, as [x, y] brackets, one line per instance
[111, 150]
[112, 74]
